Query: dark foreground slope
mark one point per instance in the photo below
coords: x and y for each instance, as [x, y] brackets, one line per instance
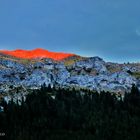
[73, 115]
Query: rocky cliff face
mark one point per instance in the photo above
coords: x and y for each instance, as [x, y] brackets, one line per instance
[22, 75]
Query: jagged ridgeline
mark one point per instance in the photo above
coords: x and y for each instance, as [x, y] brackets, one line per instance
[20, 75]
[60, 114]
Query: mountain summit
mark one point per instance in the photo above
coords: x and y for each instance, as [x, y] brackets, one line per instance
[19, 76]
[36, 53]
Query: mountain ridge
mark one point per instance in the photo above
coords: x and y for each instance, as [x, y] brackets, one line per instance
[36, 53]
[18, 76]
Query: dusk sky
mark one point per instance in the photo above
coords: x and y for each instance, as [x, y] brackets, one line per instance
[106, 28]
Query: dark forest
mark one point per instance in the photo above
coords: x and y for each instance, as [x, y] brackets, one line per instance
[54, 113]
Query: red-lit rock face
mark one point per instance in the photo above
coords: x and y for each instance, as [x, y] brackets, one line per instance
[37, 53]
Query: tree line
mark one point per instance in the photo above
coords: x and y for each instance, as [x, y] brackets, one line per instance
[51, 113]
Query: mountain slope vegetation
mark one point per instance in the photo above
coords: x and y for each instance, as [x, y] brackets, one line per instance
[54, 114]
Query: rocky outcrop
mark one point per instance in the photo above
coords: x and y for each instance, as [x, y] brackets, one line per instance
[108, 82]
[91, 63]
[91, 73]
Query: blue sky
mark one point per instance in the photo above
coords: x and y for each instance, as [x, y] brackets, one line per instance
[106, 28]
